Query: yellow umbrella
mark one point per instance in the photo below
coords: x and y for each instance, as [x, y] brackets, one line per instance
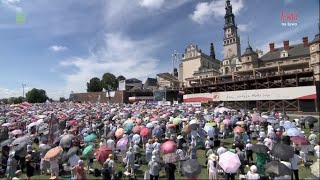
[176, 121]
[211, 124]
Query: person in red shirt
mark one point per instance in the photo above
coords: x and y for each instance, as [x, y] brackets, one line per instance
[278, 134]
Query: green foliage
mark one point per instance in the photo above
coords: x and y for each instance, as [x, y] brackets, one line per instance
[94, 85]
[4, 101]
[109, 81]
[36, 96]
[13, 100]
[62, 99]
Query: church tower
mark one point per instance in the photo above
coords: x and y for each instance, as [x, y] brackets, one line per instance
[231, 42]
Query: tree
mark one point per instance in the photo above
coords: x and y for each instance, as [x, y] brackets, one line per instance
[109, 81]
[94, 85]
[36, 96]
[62, 99]
[5, 101]
[15, 100]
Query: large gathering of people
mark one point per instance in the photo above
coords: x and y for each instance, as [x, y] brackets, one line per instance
[115, 141]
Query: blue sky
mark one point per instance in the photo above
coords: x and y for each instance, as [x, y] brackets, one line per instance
[64, 43]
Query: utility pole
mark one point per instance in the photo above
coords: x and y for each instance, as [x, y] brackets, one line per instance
[23, 85]
[175, 57]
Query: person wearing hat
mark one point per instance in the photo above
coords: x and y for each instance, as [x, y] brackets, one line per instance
[29, 166]
[154, 168]
[212, 167]
[252, 173]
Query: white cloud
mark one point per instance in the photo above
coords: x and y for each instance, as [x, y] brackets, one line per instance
[216, 8]
[57, 48]
[152, 4]
[244, 27]
[119, 55]
[12, 4]
[16, 92]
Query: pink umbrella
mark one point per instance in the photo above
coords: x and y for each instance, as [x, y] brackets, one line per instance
[217, 120]
[255, 118]
[144, 132]
[226, 121]
[16, 132]
[168, 147]
[301, 140]
[229, 162]
[122, 143]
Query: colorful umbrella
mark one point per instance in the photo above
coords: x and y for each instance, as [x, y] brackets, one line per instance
[217, 120]
[157, 132]
[136, 129]
[229, 162]
[208, 128]
[170, 158]
[87, 150]
[119, 133]
[72, 123]
[301, 140]
[150, 125]
[176, 121]
[16, 132]
[128, 127]
[226, 121]
[238, 129]
[144, 132]
[102, 154]
[53, 153]
[211, 124]
[168, 147]
[122, 143]
[293, 132]
[90, 137]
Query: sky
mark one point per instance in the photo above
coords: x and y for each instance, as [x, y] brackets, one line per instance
[62, 44]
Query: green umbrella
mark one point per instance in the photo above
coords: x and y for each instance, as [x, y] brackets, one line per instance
[87, 150]
[2, 118]
[176, 121]
[90, 137]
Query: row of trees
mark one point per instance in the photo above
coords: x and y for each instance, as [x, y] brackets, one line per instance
[33, 96]
[108, 82]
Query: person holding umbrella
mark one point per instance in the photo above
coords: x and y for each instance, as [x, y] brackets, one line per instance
[170, 169]
[80, 171]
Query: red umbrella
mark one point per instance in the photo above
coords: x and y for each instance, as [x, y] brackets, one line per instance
[301, 140]
[102, 154]
[171, 125]
[73, 122]
[136, 129]
[168, 147]
[238, 129]
[144, 132]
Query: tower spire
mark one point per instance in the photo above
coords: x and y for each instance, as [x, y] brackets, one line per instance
[212, 53]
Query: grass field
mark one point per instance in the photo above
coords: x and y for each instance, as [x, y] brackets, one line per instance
[303, 171]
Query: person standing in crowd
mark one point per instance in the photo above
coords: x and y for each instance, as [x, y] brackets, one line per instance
[149, 149]
[111, 144]
[241, 157]
[136, 151]
[208, 144]
[12, 165]
[54, 167]
[193, 151]
[221, 149]
[249, 152]
[294, 164]
[302, 122]
[154, 168]
[252, 173]
[29, 166]
[130, 161]
[170, 169]
[317, 150]
[80, 171]
[212, 167]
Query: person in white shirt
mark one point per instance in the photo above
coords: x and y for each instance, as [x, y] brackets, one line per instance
[262, 134]
[208, 144]
[221, 149]
[149, 149]
[268, 142]
[294, 164]
[252, 174]
[157, 145]
[136, 139]
[212, 167]
[111, 144]
[249, 152]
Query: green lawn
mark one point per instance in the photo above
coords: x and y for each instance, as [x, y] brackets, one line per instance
[303, 171]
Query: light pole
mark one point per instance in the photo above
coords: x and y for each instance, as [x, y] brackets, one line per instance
[23, 85]
[175, 57]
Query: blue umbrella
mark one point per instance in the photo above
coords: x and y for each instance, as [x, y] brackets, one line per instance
[288, 125]
[272, 120]
[293, 132]
[157, 132]
[207, 117]
[208, 128]
[150, 125]
[234, 119]
[90, 137]
[128, 127]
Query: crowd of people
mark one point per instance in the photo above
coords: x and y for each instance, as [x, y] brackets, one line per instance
[60, 139]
